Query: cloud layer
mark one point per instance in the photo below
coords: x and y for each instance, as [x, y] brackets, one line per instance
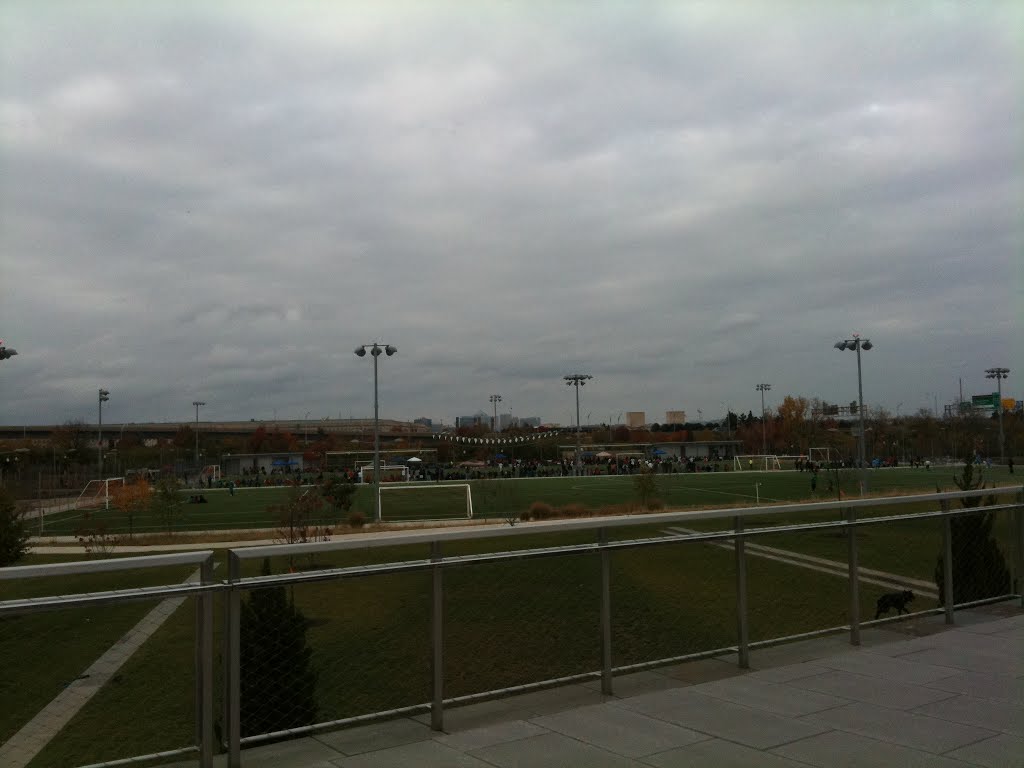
[220, 202]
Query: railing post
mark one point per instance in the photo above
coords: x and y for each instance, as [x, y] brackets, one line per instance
[232, 679]
[1020, 546]
[854, 574]
[606, 614]
[947, 561]
[205, 669]
[437, 640]
[742, 619]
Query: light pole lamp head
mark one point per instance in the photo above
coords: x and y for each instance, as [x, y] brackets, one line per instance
[361, 351]
[841, 345]
[866, 344]
[390, 350]
[104, 395]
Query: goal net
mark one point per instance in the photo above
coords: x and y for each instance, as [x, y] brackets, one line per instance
[429, 501]
[757, 462]
[97, 493]
[211, 471]
[389, 473]
[820, 455]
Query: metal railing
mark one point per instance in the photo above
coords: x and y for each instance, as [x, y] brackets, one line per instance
[436, 564]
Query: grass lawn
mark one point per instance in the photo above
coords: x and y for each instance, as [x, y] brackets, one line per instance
[251, 507]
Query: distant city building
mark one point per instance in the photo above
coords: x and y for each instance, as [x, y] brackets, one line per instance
[636, 419]
[424, 421]
[675, 417]
[507, 421]
[476, 420]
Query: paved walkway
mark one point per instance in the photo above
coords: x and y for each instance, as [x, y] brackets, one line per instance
[914, 694]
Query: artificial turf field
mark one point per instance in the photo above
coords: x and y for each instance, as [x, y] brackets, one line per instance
[253, 508]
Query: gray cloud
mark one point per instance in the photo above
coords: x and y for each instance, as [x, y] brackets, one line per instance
[221, 202]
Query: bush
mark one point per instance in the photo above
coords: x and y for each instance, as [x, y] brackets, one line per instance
[574, 510]
[525, 515]
[541, 510]
[13, 531]
[278, 683]
[979, 568]
[357, 519]
[655, 504]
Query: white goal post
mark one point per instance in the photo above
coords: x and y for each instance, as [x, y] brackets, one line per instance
[425, 487]
[758, 462]
[820, 455]
[97, 492]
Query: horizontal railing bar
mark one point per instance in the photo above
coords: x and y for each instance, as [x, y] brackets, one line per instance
[104, 566]
[327, 574]
[59, 602]
[376, 540]
[28, 605]
[143, 758]
[414, 709]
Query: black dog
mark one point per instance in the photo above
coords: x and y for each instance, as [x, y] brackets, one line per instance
[897, 600]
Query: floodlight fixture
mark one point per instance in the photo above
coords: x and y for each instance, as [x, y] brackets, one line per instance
[999, 374]
[577, 380]
[375, 352]
[857, 344]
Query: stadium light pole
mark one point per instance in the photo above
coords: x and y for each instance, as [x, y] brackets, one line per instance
[495, 399]
[999, 374]
[375, 351]
[577, 380]
[857, 344]
[103, 397]
[762, 388]
[6, 352]
[197, 403]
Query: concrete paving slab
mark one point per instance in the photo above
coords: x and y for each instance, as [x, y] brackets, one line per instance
[703, 670]
[552, 750]
[636, 683]
[788, 672]
[929, 734]
[1002, 751]
[304, 752]
[488, 736]
[421, 755]
[376, 736]
[771, 697]
[486, 713]
[968, 659]
[720, 754]
[620, 731]
[706, 714]
[871, 690]
[984, 713]
[985, 686]
[895, 669]
[837, 749]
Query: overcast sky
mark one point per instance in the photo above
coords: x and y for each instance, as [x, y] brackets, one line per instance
[219, 201]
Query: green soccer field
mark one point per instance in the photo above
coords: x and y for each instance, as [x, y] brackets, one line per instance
[252, 508]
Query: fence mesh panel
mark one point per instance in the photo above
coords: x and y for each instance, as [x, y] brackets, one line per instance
[323, 651]
[84, 675]
[520, 621]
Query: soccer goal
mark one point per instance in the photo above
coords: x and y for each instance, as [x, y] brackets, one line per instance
[758, 462]
[428, 501]
[820, 455]
[97, 493]
[389, 473]
[212, 471]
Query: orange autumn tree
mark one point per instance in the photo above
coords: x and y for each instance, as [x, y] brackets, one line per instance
[132, 500]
